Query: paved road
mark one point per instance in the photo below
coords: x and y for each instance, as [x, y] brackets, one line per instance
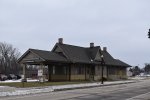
[132, 91]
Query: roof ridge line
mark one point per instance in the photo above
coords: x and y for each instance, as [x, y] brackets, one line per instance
[39, 50]
[36, 53]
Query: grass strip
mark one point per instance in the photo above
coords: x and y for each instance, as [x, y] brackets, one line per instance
[38, 84]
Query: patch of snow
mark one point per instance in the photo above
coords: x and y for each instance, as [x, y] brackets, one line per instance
[26, 91]
[75, 86]
[10, 81]
[137, 78]
[2, 86]
[13, 81]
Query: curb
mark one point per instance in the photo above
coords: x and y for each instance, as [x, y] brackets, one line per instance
[99, 85]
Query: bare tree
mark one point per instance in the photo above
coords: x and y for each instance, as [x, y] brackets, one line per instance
[149, 33]
[147, 68]
[8, 59]
[135, 70]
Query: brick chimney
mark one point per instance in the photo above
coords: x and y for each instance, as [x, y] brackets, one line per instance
[91, 45]
[104, 48]
[60, 40]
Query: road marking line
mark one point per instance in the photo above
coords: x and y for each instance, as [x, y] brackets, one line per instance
[138, 96]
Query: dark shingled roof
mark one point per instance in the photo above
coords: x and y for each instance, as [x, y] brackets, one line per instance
[49, 56]
[109, 60]
[79, 54]
[92, 52]
[76, 54]
[121, 63]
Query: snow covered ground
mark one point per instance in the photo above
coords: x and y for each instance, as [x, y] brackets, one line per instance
[11, 91]
[138, 78]
[10, 81]
[25, 91]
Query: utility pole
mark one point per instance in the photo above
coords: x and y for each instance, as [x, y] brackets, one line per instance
[102, 63]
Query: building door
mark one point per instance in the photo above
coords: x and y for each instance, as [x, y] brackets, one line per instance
[91, 72]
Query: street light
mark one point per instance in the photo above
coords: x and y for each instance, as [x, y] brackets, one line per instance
[102, 63]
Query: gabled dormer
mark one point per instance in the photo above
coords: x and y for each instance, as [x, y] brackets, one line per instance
[30, 56]
[98, 55]
[57, 48]
[94, 52]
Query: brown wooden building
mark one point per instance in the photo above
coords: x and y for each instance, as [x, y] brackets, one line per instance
[69, 63]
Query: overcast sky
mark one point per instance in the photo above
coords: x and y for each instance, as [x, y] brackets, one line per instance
[120, 25]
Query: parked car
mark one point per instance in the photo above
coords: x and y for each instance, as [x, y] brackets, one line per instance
[18, 76]
[3, 77]
[12, 76]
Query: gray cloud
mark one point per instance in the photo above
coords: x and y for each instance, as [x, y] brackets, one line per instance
[120, 25]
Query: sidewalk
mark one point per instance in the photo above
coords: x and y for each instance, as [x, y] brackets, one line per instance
[11, 91]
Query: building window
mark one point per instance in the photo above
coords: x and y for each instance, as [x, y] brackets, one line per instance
[80, 70]
[65, 70]
[59, 70]
[112, 70]
[53, 70]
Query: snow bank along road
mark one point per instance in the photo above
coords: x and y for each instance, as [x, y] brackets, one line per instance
[9, 91]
